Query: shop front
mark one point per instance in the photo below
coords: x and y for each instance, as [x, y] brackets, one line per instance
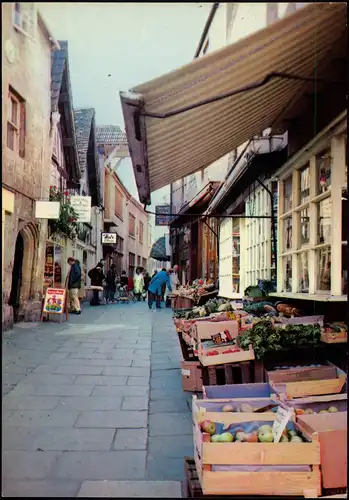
[56, 266]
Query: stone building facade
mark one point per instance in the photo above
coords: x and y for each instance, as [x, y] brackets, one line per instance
[26, 157]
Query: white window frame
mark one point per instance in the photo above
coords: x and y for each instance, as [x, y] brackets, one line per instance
[333, 138]
[24, 20]
[258, 237]
[226, 260]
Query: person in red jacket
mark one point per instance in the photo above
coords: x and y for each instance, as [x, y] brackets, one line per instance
[130, 285]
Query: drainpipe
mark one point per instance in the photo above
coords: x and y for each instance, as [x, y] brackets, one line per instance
[206, 29]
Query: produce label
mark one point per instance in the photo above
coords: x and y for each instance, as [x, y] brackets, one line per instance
[54, 301]
[282, 418]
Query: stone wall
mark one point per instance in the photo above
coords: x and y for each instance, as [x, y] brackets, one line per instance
[26, 63]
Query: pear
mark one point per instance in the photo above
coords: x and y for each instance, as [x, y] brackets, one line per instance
[332, 409]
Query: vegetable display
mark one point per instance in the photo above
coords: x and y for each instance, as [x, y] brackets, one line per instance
[265, 336]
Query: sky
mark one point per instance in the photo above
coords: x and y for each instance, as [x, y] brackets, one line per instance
[133, 43]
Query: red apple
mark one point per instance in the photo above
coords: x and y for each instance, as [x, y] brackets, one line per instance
[208, 426]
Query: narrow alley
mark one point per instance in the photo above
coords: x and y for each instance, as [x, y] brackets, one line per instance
[94, 407]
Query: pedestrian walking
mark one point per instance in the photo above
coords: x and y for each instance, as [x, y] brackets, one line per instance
[138, 284]
[123, 279]
[97, 277]
[82, 293]
[163, 288]
[147, 280]
[111, 284]
[155, 288]
[74, 284]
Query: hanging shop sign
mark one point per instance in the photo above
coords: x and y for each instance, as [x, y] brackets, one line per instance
[47, 209]
[54, 301]
[109, 238]
[162, 215]
[82, 206]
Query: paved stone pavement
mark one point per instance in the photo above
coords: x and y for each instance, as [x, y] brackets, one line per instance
[94, 407]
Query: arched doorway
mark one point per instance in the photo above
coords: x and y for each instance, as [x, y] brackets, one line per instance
[17, 271]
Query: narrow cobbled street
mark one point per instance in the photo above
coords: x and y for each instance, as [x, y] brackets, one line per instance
[94, 407]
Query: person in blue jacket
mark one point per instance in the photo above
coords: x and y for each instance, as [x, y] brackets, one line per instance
[160, 279]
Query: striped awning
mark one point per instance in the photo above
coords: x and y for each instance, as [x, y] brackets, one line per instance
[167, 148]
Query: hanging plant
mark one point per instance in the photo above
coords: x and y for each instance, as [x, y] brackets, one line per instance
[67, 223]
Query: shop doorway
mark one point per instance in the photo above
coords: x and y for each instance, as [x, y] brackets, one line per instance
[17, 271]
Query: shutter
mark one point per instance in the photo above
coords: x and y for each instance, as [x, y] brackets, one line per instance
[22, 130]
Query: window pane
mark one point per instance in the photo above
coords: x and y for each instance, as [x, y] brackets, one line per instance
[14, 112]
[288, 234]
[288, 273]
[305, 185]
[323, 168]
[10, 136]
[324, 261]
[288, 194]
[304, 215]
[324, 221]
[303, 273]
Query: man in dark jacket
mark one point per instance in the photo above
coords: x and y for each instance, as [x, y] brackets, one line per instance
[74, 285]
[97, 277]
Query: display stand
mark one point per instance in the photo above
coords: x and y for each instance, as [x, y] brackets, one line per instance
[55, 302]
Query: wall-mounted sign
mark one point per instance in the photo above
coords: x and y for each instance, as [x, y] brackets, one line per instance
[109, 238]
[162, 215]
[82, 206]
[47, 209]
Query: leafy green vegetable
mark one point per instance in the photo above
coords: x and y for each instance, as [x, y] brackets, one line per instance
[265, 337]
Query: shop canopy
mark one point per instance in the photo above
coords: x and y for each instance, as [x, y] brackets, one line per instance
[172, 134]
[159, 250]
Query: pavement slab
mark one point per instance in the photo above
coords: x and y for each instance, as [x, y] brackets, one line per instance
[46, 488]
[129, 489]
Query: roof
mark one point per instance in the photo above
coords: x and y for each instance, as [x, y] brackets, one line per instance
[182, 122]
[58, 63]
[83, 122]
[110, 135]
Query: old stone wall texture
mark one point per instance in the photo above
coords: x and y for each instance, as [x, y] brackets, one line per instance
[26, 62]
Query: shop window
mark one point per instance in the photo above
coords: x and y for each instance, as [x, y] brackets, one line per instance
[324, 221]
[287, 188]
[323, 171]
[288, 234]
[304, 185]
[288, 273]
[16, 123]
[303, 272]
[324, 265]
[304, 215]
[132, 225]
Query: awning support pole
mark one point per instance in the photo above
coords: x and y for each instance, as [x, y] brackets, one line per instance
[273, 222]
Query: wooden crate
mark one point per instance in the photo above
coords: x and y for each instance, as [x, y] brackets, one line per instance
[316, 403]
[233, 373]
[187, 350]
[206, 409]
[306, 388]
[191, 376]
[192, 487]
[209, 455]
[333, 337]
[302, 373]
[239, 391]
[332, 434]
[223, 357]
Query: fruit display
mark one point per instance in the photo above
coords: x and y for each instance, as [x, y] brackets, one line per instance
[248, 432]
[196, 290]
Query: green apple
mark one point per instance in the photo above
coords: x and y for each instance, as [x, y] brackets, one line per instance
[323, 411]
[216, 438]
[284, 439]
[308, 411]
[265, 437]
[226, 437]
[332, 409]
[265, 428]
[227, 408]
[246, 408]
[292, 433]
[296, 439]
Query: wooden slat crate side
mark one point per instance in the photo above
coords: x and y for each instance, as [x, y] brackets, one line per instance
[221, 359]
[261, 453]
[232, 417]
[312, 388]
[263, 483]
